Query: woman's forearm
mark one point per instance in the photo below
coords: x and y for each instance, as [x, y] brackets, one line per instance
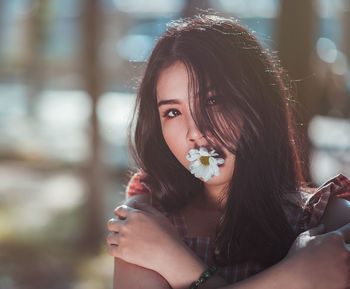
[186, 268]
[278, 276]
[315, 260]
[130, 276]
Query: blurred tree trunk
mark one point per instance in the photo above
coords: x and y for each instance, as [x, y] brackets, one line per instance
[346, 26]
[34, 71]
[346, 45]
[296, 40]
[91, 71]
[192, 7]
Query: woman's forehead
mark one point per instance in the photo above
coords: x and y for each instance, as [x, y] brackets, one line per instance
[176, 82]
[172, 82]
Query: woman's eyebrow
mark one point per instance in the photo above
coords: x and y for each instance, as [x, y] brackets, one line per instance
[168, 101]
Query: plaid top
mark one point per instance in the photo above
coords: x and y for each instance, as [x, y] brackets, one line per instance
[303, 211]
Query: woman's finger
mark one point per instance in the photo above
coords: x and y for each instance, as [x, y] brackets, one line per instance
[122, 211]
[145, 207]
[113, 250]
[114, 224]
[141, 198]
[113, 239]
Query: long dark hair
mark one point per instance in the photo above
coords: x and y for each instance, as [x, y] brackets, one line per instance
[224, 58]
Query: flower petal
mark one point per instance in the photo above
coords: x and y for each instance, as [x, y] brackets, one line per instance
[193, 151]
[208, 176]
[202, 171]
[195, 165]
[198, 172]
[216, 171]
[203, 151]
[192, 155]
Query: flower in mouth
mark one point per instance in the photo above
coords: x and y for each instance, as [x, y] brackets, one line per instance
[203, 163]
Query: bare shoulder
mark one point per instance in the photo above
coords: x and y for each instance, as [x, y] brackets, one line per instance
[337, 214]
[130, 276]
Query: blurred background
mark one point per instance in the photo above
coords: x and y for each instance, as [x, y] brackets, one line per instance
[68, 74]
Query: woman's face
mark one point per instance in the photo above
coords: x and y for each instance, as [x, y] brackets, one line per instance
[179, 129]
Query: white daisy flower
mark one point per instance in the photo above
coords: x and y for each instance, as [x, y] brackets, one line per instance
[203, 163]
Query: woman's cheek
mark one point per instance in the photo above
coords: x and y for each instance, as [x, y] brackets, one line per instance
[172, 130]
[166, 131]
[175, 137]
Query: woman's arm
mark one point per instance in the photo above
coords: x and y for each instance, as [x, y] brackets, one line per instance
[315, 262]
[276, 277]
[130, 276]
[337, 214]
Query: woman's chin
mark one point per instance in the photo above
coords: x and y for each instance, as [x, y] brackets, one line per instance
[217, 181]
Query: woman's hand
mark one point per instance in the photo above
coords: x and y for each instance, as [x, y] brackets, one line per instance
[145, 237]
[322, 259]
[136, 236]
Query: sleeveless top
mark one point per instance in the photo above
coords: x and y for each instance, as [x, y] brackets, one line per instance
[303, 211]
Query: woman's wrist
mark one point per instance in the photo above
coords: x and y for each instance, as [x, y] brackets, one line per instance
[184, 269]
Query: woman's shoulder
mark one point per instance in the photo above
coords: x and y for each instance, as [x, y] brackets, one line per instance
[311, 206]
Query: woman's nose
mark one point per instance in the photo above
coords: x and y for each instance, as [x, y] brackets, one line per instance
[193, 133]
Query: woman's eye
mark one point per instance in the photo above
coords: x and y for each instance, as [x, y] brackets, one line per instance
[171, 113]
[211, 101]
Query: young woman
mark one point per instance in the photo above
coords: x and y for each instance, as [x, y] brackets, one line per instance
[218, 156]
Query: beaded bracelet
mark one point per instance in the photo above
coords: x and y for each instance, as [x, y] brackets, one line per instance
[204, 277]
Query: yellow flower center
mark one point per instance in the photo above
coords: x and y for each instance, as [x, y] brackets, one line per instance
[204, 160]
